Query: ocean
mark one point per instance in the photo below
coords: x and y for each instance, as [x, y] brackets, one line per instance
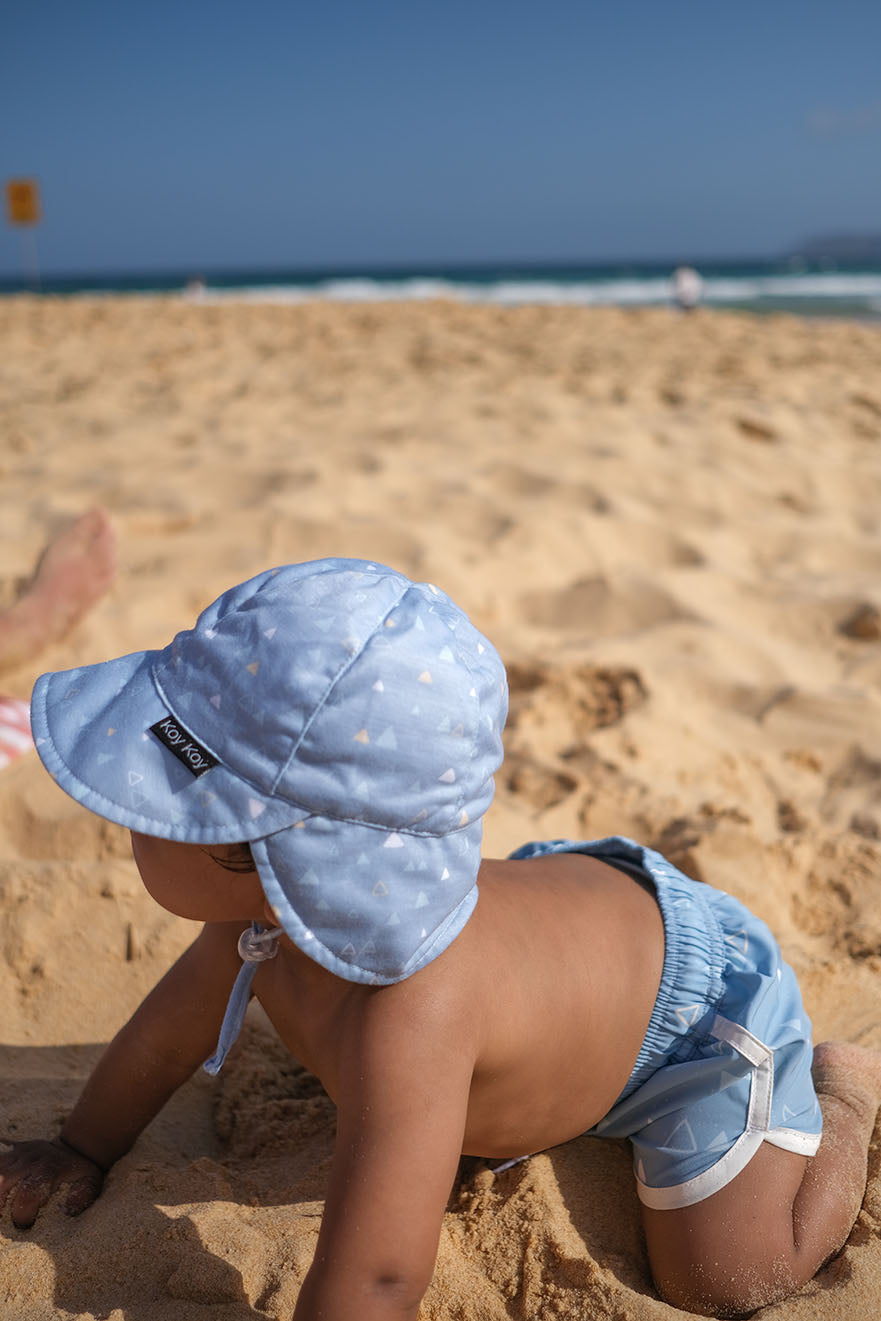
[796, 286]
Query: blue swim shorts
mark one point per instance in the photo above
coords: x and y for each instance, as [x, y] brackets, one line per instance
[726, 1060]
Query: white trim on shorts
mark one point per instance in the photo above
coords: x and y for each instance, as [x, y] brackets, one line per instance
[757, 1130]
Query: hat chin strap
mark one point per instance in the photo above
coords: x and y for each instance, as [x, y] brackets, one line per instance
[256, 944]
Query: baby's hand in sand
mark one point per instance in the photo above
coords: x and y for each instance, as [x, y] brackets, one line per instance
[31, 1172]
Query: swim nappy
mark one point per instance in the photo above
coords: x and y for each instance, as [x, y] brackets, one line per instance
[344, 721]
[726, 1060]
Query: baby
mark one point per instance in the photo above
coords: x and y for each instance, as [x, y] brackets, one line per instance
[314, 759]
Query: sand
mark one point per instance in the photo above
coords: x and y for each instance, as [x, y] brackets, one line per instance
[671, 528]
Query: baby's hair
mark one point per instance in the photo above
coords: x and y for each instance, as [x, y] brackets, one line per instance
[238, 858]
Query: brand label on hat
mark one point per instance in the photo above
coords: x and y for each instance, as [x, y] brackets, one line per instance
[196, 758]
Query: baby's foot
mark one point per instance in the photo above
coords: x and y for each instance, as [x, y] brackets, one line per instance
[74, 571]
[851, 1073]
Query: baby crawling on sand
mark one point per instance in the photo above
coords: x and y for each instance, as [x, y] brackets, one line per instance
[314, 759]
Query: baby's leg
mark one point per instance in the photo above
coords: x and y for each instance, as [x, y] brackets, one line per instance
[771, 1229]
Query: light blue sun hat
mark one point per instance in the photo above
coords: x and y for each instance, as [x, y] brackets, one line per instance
[343, 720]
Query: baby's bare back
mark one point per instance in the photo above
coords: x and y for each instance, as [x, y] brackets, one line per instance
[568, 954]
[540, 1004]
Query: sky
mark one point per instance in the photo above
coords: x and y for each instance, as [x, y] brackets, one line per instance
[196, 135]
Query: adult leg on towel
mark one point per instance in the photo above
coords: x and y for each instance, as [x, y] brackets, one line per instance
[74, 571]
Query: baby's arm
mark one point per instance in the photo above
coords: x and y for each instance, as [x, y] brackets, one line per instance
[168, 1036]
[402, 1103]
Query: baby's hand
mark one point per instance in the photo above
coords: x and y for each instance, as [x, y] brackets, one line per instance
[30, 1172]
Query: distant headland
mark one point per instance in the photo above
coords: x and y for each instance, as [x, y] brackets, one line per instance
[851, 248]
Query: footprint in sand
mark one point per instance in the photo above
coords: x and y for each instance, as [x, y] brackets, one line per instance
[756, 428]
[680, 837]
[592, 696]
[597, 606]
[541, 786]
[852, 799]
[838, 900]
[549, 706]
[863, 623]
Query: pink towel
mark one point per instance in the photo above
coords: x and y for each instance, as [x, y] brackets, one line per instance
[15, 729]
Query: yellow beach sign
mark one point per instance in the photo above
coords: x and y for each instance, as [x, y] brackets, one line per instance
[23, 202]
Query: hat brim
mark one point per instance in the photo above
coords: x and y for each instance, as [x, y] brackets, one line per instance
[368, 904]
[91, 729]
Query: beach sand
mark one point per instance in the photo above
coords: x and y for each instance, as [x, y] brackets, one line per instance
[670, 526]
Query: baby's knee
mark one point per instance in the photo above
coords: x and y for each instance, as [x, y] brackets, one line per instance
[716, 1289]
[735, 1251]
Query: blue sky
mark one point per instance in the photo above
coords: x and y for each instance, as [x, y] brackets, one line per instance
[190, 135]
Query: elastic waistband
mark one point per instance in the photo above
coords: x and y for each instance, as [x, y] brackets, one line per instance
[694, 960]
[694, 950]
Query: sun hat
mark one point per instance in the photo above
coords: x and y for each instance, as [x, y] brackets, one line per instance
[342, 719]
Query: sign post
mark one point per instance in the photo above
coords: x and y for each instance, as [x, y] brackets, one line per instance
[23, 210]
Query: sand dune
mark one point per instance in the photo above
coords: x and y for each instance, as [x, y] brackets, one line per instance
[670, 527]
